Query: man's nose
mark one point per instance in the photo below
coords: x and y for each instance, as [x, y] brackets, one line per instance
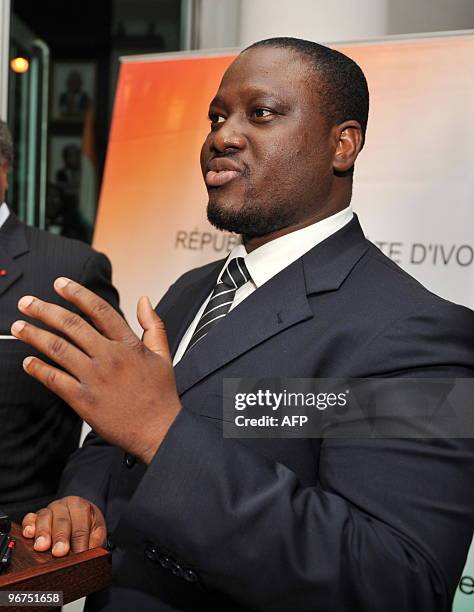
[229, 135]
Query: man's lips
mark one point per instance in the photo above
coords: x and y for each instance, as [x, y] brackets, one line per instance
[217, 179]
[221, 170]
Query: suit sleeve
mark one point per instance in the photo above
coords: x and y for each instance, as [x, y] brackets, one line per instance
[87, 473]
[387, 528]
[97, 276]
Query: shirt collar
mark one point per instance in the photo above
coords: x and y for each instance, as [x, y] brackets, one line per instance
[4, 213]
[271, 258]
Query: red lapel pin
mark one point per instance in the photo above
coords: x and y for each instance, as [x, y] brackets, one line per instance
[3, 272]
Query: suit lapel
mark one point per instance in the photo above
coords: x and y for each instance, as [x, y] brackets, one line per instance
[272, 308]
[13, 243]
[329, 263]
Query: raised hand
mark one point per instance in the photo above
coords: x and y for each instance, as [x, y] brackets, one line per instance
[124, 388]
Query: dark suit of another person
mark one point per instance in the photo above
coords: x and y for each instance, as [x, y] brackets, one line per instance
[293, 525]
[38, 431]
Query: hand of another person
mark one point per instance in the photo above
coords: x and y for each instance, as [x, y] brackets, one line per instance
[124, 388]
[70, 523]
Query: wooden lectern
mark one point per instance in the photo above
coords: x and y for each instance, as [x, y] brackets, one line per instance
[76, 575]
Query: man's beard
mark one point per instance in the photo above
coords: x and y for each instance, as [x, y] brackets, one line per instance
[253, 219]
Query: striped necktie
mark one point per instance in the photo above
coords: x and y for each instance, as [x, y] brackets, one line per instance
[234, 276]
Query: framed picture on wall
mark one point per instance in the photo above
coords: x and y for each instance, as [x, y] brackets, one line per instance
[63, 199]
[65, 159]
[73, 90]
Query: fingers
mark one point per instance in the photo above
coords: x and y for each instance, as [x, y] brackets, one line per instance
[57, 381]
[80, 511]
[88, 525]
[57, 349]
[104, 317]
[61, 529]
[44, 520]
[68, 323]
[154, 337]
[70, 523]
[29, 525]
[51, 527]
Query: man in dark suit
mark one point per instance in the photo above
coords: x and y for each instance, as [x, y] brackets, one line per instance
[39, 432]
[197, 521]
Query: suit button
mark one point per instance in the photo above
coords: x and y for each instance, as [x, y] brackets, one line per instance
[176, 569]
[110, 543]
[164, 561]
[151, 552]
[189, 575]
[130, 461]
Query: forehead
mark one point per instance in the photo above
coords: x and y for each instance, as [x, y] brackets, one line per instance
[273, 70]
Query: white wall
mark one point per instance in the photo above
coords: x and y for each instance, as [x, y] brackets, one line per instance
[218, 24]
[410, 16]
[320, 20]
[229, 23]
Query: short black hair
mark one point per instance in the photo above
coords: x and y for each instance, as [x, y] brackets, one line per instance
[6, 144]
[342, 86]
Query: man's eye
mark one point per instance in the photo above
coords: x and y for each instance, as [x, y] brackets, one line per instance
[215, 118]
[260, 113]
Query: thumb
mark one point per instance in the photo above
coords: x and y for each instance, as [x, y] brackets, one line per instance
[154, 336]
[98, 530]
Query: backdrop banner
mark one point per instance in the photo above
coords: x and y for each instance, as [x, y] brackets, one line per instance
[413, 183]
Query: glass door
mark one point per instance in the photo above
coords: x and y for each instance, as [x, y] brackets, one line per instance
[64, 62]
[28, 100]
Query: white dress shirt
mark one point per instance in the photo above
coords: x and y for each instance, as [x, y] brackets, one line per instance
[270, 259]
[4, 213]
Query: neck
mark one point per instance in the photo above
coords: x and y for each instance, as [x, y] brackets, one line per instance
[329, 209]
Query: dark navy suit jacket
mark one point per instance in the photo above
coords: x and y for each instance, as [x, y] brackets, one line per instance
[294, 525]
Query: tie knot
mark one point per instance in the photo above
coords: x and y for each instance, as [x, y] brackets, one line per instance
[236, 274]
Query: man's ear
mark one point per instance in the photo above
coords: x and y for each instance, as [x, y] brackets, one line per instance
[349, 141]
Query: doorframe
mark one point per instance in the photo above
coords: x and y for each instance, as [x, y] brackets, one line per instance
[4, 56]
